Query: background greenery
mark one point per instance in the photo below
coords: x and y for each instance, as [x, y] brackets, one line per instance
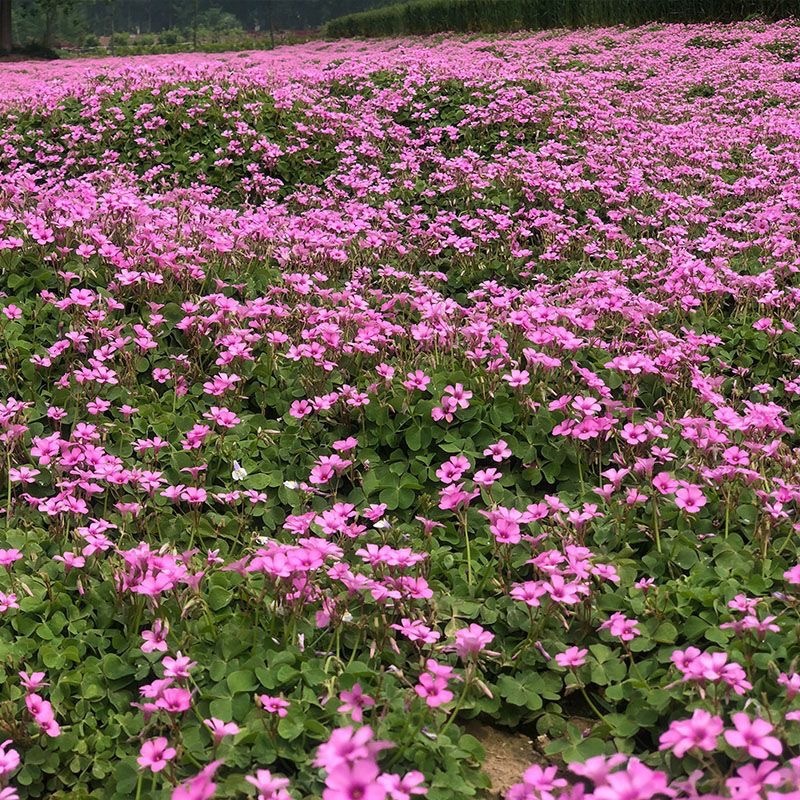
[139, 26]
[432, 16]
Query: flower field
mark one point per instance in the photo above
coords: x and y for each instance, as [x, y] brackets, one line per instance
[351, 393]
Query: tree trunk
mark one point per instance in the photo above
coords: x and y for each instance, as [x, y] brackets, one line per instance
[271, 24]
[49, 23]
[5, 26]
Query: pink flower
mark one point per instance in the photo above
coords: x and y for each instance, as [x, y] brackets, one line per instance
[7, 602]
[194, 495]
[42, 713]
[273, 705]
[177, 667]
[487, 477]
[529, 592]
[223, 417]
[751, 779]
[354, 781]
[452, 469]
[199, 787]
[665, 483]
[499, 451]
[33, 681]
[269, 786]
[587, 406]
[71, 561]
[621, 626]
[155, 753]
[597, 768]
[572, 657]
[454, 496]
[753, 736]
[219, 729]
[433, 689]
[416, 380]
[791, 684]
[517, 378]
[175, 700]
[23, 474]
[347, 745]
[416, 631]
[700, 667]
[793, 575]
[354, 702]
[562, 592]
[459, 394]
[699, 731]
[690, 499]
[635, 782]
[8, 557]
[542, 781]
[432, 685]
[300, 408]
[9, 758]
[403, 788]
[736, 456]
[155, 639]
[471, 640]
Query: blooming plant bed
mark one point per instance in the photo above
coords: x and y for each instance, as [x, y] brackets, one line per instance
[355, 395]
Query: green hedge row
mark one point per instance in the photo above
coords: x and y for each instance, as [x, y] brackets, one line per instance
[433, 16]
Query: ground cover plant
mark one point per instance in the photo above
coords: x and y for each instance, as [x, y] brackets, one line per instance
[352, 392]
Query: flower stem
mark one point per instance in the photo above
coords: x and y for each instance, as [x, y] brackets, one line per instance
[465, 526]
[457, 706]
[8, 489]
[656, 530]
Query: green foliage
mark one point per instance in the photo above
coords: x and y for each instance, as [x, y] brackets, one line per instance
[169, 37]
[218, 21]
[422, 17]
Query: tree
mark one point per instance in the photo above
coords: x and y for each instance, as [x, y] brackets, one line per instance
[5, 26]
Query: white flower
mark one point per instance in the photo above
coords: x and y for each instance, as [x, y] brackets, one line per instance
[291, 484]
[239, 472]
[382, 525]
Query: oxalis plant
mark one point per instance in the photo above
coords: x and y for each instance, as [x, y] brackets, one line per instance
[353, 393]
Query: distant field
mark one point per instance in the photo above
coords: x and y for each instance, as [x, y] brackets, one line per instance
[379, 417]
